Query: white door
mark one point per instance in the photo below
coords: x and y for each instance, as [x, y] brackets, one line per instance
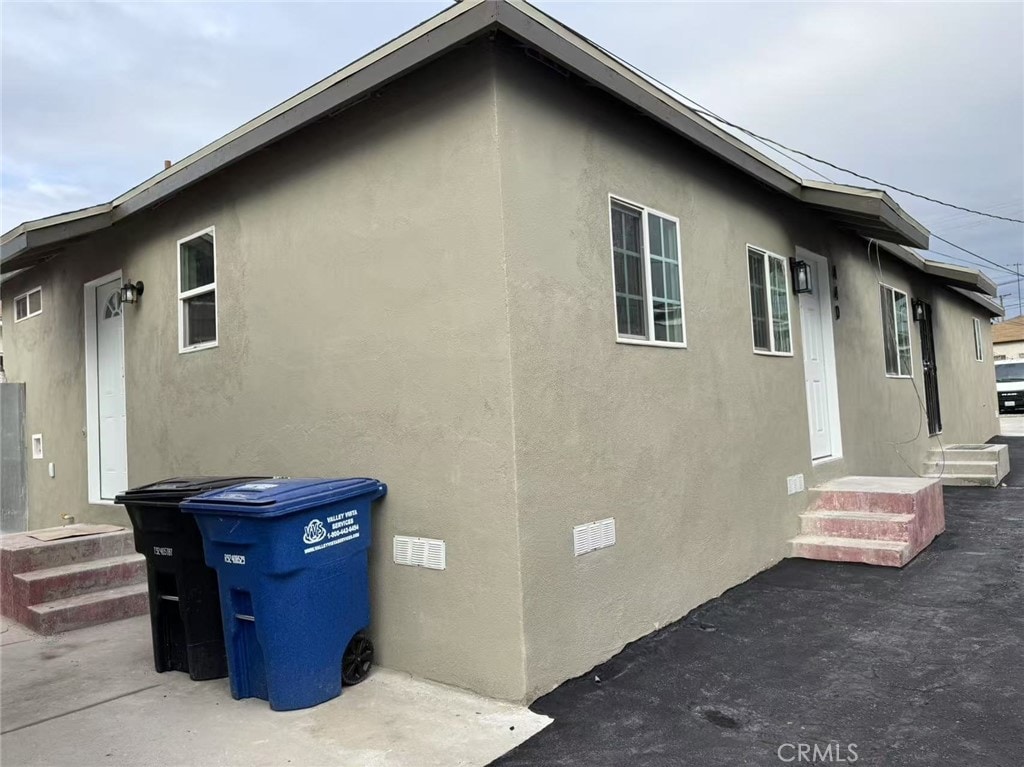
[110, 406]
[819, 361]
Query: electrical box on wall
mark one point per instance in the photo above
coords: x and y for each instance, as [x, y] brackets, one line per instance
[795, 484]
[37, 446]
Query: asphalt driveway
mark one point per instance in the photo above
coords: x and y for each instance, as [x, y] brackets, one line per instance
[874, 666]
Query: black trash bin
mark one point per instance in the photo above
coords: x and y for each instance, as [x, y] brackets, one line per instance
[184, 603]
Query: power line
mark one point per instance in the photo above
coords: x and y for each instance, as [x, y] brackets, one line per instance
[971, 252]
[701, 109]
[866, 178]
[969, 262]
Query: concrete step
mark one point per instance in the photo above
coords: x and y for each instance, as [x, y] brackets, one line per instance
[21, 553]
[969, 464]
[886, 495]
[954, 468]
[862, 525]
[88, 609]
[885, 553]
[964, 480]
[38, 586]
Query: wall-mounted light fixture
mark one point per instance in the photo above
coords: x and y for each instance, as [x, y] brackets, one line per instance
[130, 292]
[918, 309]
[801, 272]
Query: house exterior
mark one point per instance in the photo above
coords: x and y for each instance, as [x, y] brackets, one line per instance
[528, 304]
[1008, 339]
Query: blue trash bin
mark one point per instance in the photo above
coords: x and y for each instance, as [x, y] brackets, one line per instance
[291, 562]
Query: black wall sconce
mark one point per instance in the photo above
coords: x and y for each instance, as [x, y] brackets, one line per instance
[918, 309]
[130, 292]
[801, 272]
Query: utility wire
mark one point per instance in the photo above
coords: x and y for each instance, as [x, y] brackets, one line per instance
[781, 149]
[859, 175]
[969, 262]
[777, 146]
[971, 252]
[700, 107]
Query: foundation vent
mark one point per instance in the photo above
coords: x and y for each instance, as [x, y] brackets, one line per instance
[593, 536]
[420, 552]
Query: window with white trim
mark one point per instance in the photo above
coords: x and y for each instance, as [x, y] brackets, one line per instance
[648, 276]
[28, 304]
[896, 332]
[769, 302]
[979, 347]
[197, 291]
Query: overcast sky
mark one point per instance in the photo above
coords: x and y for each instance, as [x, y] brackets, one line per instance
[929, 96]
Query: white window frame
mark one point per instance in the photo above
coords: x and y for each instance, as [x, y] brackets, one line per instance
[979, 348]
[644, 210]
[768, 295]
[895, 330]
[202, 290]
[28, 304]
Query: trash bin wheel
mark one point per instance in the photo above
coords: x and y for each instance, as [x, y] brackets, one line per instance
[356, 662]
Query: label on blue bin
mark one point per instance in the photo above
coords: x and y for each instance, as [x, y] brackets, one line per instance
[343, 526]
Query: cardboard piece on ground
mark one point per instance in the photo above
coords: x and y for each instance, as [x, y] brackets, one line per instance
[73, 531]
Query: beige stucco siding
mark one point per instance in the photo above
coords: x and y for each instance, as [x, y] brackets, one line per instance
[885, 429]
[688, 449]
[361, 301]
[1010, 350]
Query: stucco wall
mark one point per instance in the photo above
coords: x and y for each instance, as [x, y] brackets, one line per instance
[688, 449]
[1010, 350]
[362, 332]
[885, 429]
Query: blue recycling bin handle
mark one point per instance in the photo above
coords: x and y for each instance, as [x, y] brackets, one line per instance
[291, 560]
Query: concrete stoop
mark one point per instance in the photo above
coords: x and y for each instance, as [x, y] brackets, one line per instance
[57, 586]
[872, 520]
[984, 465]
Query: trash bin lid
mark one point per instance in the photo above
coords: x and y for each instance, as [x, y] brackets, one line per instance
[170, 492]
[275, 497]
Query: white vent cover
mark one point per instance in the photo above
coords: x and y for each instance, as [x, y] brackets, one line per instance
[37, 446]
[420, 552]
[795, 484]
[593, 536]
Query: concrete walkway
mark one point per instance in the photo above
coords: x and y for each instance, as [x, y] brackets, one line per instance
[875, 666]
[91, 697]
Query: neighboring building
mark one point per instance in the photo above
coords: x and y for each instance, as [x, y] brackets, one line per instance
[1008, 339]
[496, 268]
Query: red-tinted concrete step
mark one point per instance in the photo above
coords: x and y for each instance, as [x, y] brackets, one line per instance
[88, 609]
[886, 553]
[864, 525]
[22, 553]
[38, 586]
[888, 495]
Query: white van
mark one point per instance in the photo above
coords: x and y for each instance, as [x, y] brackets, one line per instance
[1010, 385]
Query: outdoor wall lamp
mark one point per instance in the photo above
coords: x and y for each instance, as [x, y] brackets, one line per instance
[801, 272]
[918, 309]
[130, 292]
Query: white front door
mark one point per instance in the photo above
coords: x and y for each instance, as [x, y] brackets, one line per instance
[108, 454]
[819, 361]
